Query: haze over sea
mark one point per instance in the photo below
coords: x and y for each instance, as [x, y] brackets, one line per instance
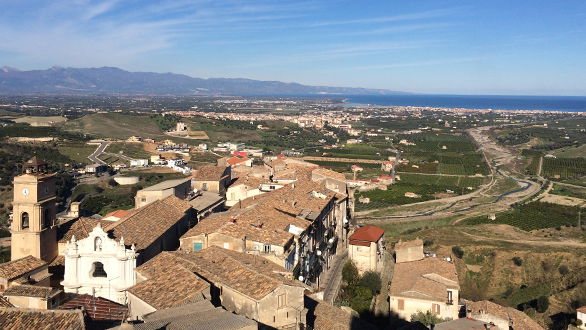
[495, 102]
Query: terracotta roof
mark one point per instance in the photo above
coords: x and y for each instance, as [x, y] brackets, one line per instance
[329, 173]
[412, 243]
[427, 279]
[35, 161]
[117, 214]
[97, 308]
[201, 315]
[236, 160]
[267, 218]
[5, 303]
[81, 228]
[325, 316]
[25, 318]
[247, 274]
[518, 320]
[146, 224]
[30, 291]
[209, 173]
[367, 234]
[173, 287]
[16, 268]
[581, 309]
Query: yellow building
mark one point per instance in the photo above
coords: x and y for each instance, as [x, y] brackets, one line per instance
[34, 210]
[365, 248]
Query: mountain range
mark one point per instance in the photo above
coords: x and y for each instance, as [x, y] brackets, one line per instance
[111, 80]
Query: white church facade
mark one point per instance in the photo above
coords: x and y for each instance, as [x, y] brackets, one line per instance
[99, 265]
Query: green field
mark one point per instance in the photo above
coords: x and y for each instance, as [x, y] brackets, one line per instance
[77, 151]
[535, 215]
[132, 150]
[565, 168]
[441, 154]
[114, 125]
[563, 190]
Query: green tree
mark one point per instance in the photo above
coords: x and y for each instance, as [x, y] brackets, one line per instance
[542, 304]
[517, 261]
[458, 252]
[564, 270]
[426, 318]
[361, 299]
[372, 281]
[350, 273]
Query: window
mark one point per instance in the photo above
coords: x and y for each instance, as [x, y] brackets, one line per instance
[99, 270]
[450, 299]
[204, 186]
[435, 308]
[267, 248]
[281, 301]
[24, 220]
[98, 244]
[143, 199]
[47, 218]
[197, 246]
[401, 304]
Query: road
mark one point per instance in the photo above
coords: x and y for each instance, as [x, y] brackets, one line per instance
[99, 150]
[334, 276]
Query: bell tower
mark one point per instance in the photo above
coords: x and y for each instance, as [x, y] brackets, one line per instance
[34, 212]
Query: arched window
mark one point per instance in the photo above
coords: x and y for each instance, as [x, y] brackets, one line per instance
[99, 270]
[47, 218]
[98, 244]
[24, 220]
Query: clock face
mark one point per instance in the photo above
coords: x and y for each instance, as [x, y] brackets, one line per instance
[25, 191]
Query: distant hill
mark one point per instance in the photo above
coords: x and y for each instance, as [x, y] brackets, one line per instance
[109, 80]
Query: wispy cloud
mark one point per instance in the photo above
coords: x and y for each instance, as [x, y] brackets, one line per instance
[395, 18]
[418, 63]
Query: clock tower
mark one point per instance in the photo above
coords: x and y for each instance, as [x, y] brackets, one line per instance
[34, 212]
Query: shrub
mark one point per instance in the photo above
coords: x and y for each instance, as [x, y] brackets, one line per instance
[517, 261]
[428, 242]
[426, 318]
[372, 281]
[542, 304]
[350, 273]
[564, 270]
[458, 252]
[361, 299]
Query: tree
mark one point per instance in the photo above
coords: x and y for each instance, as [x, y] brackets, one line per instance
[350, 273]
[542, 304]
[426, 318]
[564, 270]
[361, 299]
[517, 261]
[372, 281]
[458, 252]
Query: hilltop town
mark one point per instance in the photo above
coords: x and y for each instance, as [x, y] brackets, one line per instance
[288, 213]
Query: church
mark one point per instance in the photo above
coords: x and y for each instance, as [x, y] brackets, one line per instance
[90, 256]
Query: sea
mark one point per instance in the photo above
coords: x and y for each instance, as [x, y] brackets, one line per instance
[494, 102]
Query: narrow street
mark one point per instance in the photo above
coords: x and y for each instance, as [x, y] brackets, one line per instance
[333, 277]
[381, 305]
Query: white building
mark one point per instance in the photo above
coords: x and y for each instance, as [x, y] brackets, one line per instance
[139, 162]
[101, 266]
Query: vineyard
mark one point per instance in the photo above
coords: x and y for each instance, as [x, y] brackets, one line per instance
[535, 215]
[565, 168]
[424, 186]
[442, 154]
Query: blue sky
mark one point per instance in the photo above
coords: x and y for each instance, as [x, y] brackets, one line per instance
[457, 47]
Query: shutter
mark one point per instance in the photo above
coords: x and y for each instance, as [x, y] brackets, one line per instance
[401, 304]
[197, 246]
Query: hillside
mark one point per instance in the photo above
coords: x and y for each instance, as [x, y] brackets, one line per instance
[114, 125]
[109, 80]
